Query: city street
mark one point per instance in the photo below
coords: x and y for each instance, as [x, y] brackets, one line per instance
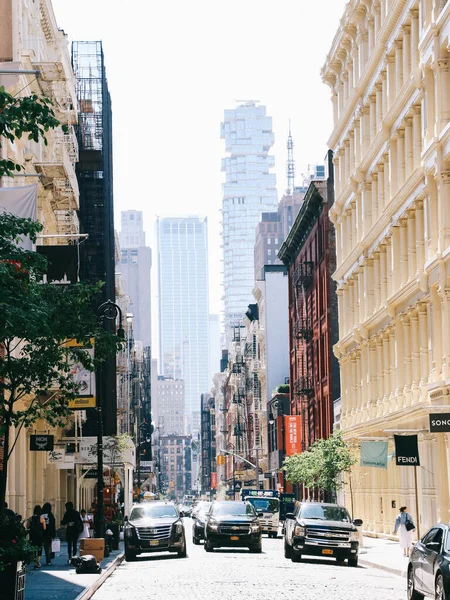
[226, 574]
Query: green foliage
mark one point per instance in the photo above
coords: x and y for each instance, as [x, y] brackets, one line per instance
[32, 115]
[321, 466]
[14, 543]
[38, 320]
[283, 388]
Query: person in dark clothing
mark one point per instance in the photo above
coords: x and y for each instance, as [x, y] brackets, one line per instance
[72, 520]
[50, 531]
[36, 533]
[8, 512]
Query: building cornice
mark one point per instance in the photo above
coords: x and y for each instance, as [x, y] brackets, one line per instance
[311, 208]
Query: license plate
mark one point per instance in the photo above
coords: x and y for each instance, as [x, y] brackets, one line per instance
[154, 542]
[233, 538]
[327, 551]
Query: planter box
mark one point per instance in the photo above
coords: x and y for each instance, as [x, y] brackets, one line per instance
[12, 582]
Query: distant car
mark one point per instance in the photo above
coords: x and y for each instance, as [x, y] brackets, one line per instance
[185, 510]
[232, 524]
[154, 527]
[321, 529]
[198, 521]
[429, 565]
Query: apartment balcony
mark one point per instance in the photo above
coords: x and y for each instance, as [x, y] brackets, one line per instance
[302, 329]
[67, 222]
[304, 386]
[303, 275]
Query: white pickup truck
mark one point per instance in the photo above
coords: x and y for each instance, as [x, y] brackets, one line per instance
[270, 507]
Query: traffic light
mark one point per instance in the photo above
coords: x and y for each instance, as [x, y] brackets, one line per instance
[146, 451]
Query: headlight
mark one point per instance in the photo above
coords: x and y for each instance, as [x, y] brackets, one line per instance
[354, 536]
[200, 522]
[213, 526]
[299, 531]
[179, 528]
[255, 527]
[129, 532]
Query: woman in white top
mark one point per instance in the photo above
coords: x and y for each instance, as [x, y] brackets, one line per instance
[86, 525]
[405, 537]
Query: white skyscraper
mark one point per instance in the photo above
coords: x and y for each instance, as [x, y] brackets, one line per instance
[183, 305]
[248, 191]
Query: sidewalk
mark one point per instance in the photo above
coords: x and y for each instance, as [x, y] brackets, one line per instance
[59, 581]
[383, 554]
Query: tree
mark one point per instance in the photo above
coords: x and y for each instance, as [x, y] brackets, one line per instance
[321, 467]
[30, 115]
[37, 323]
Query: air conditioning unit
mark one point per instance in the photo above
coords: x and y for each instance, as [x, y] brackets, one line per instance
[256, 365]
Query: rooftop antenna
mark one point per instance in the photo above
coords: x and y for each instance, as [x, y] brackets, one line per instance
[290, 164]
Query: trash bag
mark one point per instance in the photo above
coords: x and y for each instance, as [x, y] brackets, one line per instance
[86, 564]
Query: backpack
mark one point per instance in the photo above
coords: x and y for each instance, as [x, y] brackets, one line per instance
[36, 530]
[87, 564]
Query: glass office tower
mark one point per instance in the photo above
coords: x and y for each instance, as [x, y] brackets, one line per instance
[249, 190]
[183, 305]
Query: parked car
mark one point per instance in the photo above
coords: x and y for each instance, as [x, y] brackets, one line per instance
[198, 521]
[429, 565]
[154, 527]
[232, 524]
[321, 529]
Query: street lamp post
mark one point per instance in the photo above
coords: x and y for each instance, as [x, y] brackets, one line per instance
[232, 447]
[108, 310]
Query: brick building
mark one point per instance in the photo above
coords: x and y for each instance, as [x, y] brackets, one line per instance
[309, 255]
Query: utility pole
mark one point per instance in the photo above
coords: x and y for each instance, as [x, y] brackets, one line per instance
[258, 484]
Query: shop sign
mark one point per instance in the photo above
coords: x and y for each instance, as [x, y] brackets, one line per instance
[374, 454]
[41, 443]
[82, 403]
[439, 422]
[213, 481]
[56, 456]
[406, 451]
[292, 441]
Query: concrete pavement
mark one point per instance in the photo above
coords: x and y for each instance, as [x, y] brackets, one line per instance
[383, 554]
[59, 581]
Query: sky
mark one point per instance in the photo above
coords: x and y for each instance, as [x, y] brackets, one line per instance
[173, 66]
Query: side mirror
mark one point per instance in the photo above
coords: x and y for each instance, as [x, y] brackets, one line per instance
[357, 522]
[260, 514]
[125, 518]
[290, 516]
[433, 546]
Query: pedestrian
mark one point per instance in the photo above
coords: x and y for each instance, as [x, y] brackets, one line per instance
[74, 526]
[7, 511]
[86, 524]
[36, 533]
[50, 531]
[404, 524]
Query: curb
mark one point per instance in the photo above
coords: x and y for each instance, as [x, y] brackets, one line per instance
[368, 563]
[90, 591]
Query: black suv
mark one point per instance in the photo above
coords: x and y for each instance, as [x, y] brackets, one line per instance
[321, 529]
[154, 527]
[232, 524]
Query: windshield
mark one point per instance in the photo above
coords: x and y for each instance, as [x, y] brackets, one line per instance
[153, 511]
[324, 513]
[234, 509]
[265, 504]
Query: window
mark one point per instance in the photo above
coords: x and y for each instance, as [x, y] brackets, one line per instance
[269, 241]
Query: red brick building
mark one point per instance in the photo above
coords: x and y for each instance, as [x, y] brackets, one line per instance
[309, 254]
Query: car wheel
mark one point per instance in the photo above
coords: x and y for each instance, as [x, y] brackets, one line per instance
[256, 549]
[353, 562]
[439, 592]
[195, 541]
[208, 547]
[296, 557]
[340, 560]
[411, 591]
[287, 550]
[182, 553]
[130, 556]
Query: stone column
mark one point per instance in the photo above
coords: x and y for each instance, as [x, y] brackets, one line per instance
[351, 150]
[407, 350]
[373, 392]
[401, 157]
[383, 274]
[399, 64]
[337, 175]
[409, 147]
[400, 374]
[443, 84]
[406, 51]
[334, 100]
[375, 207]
[415, 348]
[412, 258]
[372, 117]
[393, 166]
[369, 291]
[395, 257]
[381, 188]
[420, 236]
[384, 93]
[380, 374]
[353, 402]
[376, 280]
[417, 135]
[365, 129]
[414, 13]
[357, 132]
[445, 297]
[444, 210]
[391, 80]
[379, 106]
[386, 365]
[387, 178]
[403, 252]
[424, 349]
[392, 361]
[390, 283]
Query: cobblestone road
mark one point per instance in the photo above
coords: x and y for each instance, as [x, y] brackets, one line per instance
[234, 575]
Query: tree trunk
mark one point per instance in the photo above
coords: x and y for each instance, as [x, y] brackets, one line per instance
[4, 464]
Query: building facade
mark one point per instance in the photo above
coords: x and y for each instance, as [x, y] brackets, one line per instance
[249, 190]
[389, 75]
[169, 405]
[135, 268]
[175, 465]
[208, 446]
[183, 305]
[309, 255]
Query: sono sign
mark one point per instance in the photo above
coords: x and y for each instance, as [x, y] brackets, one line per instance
[440, 422]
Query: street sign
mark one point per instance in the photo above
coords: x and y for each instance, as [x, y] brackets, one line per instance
[146, 464]
[238, 473]
[439, 422]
